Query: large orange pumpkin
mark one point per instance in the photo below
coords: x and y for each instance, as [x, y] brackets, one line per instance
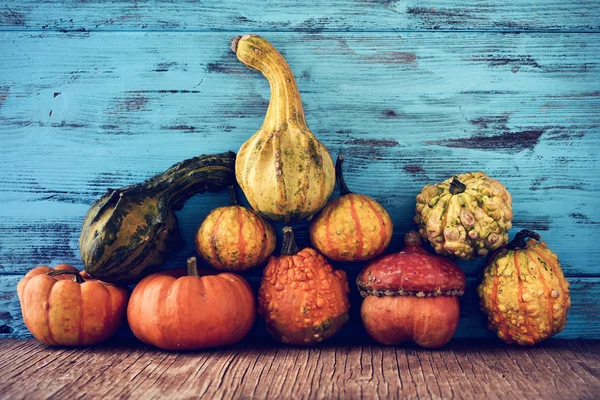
[173, 311]
[302, 299]
[411, 295]
[235, 238]
[352, 227]
[524, 292]
[61, 308]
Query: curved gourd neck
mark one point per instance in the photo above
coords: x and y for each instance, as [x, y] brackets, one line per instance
[285, 105]
[196, 175]
[182, 180]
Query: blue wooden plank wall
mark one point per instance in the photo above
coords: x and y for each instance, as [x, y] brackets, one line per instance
[104, 94]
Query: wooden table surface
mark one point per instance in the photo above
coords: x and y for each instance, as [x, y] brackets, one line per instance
[558, 369]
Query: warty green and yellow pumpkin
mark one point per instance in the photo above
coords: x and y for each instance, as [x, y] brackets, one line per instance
[524, 293]
[352, 227]
[63, 307]
[302, 299]
[466, 216]
[284, 171]
[234, 237]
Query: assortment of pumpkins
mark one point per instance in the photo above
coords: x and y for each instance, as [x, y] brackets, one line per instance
[288, 175]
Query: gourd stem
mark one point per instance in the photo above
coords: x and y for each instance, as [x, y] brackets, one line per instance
[232, 196]
[234, 43]
[289, 247]
[339, 176]
[76, 277]
[192, 267]
[456, 186]
[412, 238]
[519, 241]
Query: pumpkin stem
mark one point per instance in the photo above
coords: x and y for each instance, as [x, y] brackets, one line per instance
[456, 186]
[232, 196]
[192, 267]
[289, 247]
[339, 176]
[76, 277]
[519, 241]
[233, 43]
[412, 238]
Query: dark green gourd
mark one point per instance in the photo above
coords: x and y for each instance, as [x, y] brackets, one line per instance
[130, 232]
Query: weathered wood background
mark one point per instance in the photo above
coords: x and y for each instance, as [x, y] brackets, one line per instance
[103, 94]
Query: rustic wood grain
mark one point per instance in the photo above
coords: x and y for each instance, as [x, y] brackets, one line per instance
[583, 318]
[86, 111]
[311, 16]
[465, 370]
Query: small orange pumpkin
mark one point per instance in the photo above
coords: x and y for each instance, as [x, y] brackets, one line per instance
[61, 308]
[235, 238]
[352, 227]
[301, 298]
[173, 311]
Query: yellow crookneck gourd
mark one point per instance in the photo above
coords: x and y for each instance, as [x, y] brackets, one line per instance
[284, 171]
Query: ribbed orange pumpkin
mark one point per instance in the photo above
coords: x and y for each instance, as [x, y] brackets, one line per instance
[301, 298]
[235, 238]
[60, 308]
[352, 227]
[524, 292]
[173, 311]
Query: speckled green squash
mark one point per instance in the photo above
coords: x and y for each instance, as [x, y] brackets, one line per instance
[130, 232]
[284, 171]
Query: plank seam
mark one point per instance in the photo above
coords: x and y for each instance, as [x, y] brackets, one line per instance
[305, 31]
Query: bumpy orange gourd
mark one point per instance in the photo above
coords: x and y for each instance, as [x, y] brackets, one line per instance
[173, 311]
[235, 238]
[284, 171]
[301, 298]
[411, 295]
[524, 292]
[352, 227]
[60, 308]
